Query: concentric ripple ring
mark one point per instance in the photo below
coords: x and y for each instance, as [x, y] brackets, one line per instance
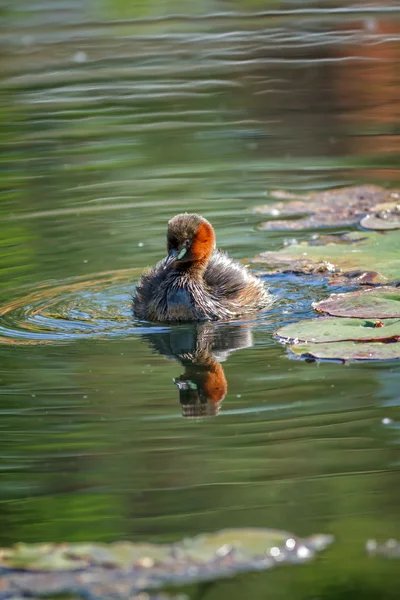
[96, 306]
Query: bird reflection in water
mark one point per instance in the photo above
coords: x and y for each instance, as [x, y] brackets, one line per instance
[200, 348]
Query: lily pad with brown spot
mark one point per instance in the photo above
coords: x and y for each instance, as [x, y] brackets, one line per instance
[334, 329]
[347, 351]
[365, 252]
[376, 303]
[342, 206]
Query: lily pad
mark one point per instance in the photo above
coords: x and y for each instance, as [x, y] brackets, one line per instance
[343, 206]
[383, 220]
[334, 329]
[376, 303]
[122, 569]
[347, 351]
[358, 251]
[343, 339]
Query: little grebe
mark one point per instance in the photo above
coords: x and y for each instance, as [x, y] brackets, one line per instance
[195, 281]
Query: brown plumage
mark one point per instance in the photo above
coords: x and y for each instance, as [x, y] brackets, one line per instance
[196, 282]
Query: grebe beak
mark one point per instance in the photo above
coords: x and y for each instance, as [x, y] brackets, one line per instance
[174, 255]
[184, 384]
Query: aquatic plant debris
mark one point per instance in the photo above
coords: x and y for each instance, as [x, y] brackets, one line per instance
[375, 303]
[120, 569]
[341, 206]
[356, 251]
[346, 335]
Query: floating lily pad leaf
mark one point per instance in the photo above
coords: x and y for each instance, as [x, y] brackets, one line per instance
[368, 251]
[376, 303]
[343, 206]
[122, 569]
[347, 351]
[383, 220]
[247, 543]
[334, 329]
[362, 277]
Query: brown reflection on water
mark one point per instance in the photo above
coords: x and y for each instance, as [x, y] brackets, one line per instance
[333, 98]
[367, 93]
[199, 348]
[202, 386]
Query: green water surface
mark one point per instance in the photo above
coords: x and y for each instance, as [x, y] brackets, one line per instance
[111, 125]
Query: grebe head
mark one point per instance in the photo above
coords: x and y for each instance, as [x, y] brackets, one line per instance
[190, 240]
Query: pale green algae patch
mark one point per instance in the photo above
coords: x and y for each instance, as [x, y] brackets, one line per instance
[121, 569]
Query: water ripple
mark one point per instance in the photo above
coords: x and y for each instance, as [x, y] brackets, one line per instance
[97, 307]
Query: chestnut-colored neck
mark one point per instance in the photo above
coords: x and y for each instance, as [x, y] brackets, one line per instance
[202, 246]
[209, 375]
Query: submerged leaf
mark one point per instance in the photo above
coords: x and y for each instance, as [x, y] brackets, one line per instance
[334, 329]
[376, 303]
[367, 251]
[343, 206]
[347, 351]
